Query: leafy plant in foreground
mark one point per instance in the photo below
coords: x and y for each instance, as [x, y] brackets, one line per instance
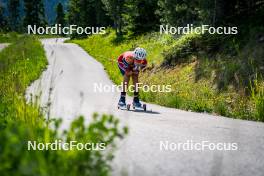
[16, 159]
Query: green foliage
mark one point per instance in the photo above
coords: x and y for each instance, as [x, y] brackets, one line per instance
[34, 13]
[50, 9]
[201, 80]
[21, 63]
[178, 12]
[60, 18]
[87, 13]
[3, 19]
[233, 62]
[14, 15]
[217, 12]
[115, 9]
[257, 94]
[16, 159]
[140, 16]
[9, 37]
[179, 51]
[106, 49]
[100, 14]
[74, 11]
[221, 108]
[208, 73]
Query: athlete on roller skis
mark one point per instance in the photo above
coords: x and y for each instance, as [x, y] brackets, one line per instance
[130, 63]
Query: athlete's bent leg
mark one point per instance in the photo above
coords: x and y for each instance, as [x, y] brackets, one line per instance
[136, 91]
[122, 100]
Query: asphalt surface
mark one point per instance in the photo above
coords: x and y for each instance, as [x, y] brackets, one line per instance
[72, 74]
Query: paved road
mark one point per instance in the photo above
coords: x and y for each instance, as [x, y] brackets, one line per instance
[72, 74]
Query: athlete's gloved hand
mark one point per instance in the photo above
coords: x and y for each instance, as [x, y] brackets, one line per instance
[137, 68]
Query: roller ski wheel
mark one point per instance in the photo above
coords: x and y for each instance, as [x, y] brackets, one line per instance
[122, 107]
[128, 107]
[143, 107]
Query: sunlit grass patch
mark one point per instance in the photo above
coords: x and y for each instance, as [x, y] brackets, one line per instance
[9, 37]
[21, 63]
[200, 82]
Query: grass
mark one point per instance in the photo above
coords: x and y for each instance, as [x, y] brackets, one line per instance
[16, 159]
[257, 94]
[200, 82]
[9, 37]
[111, 49]
[12, 37]
[21, 63]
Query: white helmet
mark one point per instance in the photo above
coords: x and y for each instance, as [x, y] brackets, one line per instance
[140, 53]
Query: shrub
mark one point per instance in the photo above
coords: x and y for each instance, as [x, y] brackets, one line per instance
[181, 49]
[16, 159]
[257, 95]
[9, 37]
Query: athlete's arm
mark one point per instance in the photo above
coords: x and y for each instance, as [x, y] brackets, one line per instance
[140, 64]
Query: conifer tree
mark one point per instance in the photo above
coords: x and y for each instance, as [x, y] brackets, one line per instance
[14, 15]
[60, 18]
[34, 13]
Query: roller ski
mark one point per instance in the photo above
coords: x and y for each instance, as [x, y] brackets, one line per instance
[130, 63]
[122, 104]
[137, 105]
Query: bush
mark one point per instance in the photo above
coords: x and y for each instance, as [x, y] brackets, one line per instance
[16, 159]
[257, 95]
[9, 37]
[181, 49]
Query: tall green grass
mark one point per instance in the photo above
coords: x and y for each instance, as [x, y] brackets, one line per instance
[9, 37]
[20, 64]
[257, 94]
[199, 82]
[106, 49]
